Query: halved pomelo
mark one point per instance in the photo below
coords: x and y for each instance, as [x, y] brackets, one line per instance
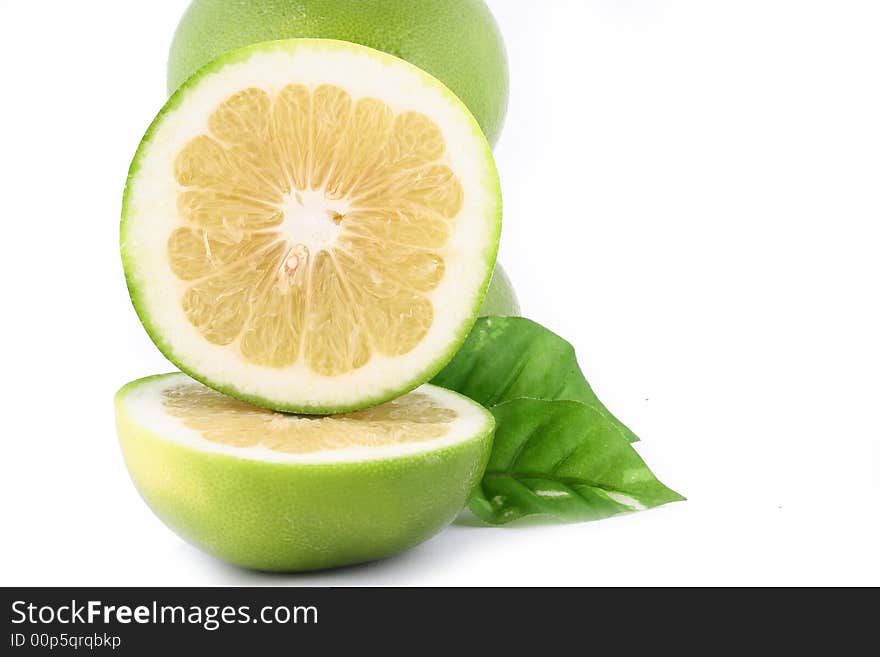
[278, 492]
[311, 225]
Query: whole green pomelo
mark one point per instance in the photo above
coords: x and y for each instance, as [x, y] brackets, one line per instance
[500, 298]
[457, 41]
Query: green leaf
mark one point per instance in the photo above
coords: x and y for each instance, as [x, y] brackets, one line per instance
[507, 358]
[566, 460]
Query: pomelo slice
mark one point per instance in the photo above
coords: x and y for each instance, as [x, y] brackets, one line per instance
[311, 226]
[277, 492]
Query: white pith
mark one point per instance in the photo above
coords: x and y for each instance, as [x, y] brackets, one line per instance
[152, 215]
[308, 220]
[143, 405]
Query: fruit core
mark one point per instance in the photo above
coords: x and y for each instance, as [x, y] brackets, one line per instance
[312, 223]
[312, 227]
[413, 418]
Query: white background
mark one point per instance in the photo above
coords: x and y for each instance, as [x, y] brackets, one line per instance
[692, 196]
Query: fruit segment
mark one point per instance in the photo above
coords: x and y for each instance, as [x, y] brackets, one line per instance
[334, 210]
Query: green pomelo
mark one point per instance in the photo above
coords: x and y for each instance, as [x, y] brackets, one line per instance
[286, 493]
[501, 300]
[457, 41]
[311, 226]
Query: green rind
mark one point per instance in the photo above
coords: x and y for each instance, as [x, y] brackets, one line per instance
[283, 517]
[457, 41]
[370, 400]
[501, 300]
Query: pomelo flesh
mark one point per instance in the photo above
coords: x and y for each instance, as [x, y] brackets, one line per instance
[285, 493]
[456, 41]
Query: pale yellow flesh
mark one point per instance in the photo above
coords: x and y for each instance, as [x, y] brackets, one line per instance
[411, 419]
[313, 227]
